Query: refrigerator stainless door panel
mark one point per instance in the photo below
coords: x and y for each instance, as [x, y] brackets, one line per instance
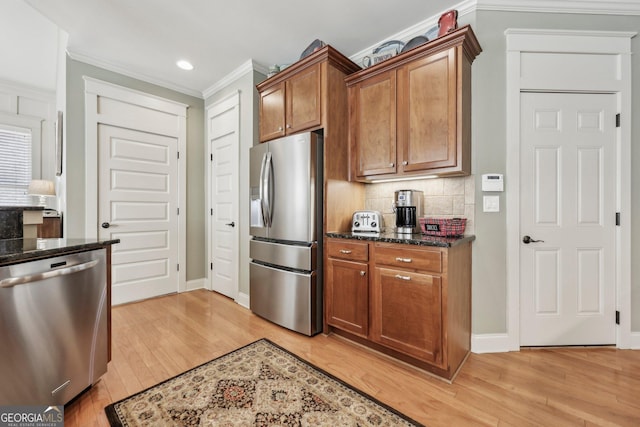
[293, 201]
[257, 158]
[285, 298]
[292, 256]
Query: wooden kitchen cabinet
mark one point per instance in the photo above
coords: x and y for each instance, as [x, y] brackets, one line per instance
[51, 227]
[373, 103]
[292, 105]
[417, 300]
[411, 115]
[300, 97]
[347, 286]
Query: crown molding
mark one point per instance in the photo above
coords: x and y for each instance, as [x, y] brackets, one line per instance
[245, 68]
[597, 7]
[110, 66]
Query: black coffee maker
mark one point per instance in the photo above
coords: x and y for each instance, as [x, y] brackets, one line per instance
[407, 205]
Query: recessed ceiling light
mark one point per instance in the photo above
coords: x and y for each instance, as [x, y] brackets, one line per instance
[185, 65]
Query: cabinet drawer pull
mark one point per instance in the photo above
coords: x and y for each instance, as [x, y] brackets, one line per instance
[344, 251]
[403, 259]
[362, 273]
[398, 276]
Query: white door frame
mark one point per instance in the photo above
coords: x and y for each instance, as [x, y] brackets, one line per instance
[177, 128]
[614, 49]
[230, 101]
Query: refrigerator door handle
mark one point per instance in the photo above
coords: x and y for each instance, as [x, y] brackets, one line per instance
[267, 183]
[263, 207]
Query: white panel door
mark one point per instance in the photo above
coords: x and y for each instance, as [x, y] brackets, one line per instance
[567, 178]
[224, 141]
[138, 189]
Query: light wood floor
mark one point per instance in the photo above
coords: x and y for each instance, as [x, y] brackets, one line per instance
[156, 339]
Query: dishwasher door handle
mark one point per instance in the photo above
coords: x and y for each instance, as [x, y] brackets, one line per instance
[29, 278]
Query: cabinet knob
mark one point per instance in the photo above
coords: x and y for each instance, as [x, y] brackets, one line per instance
[404, 259]
[362, 273]
[405, 163]
[288, 126]
[280, 128]
[398, 276]
[344, 251]
[391, 165]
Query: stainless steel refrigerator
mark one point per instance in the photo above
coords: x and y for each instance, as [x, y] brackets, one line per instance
[286, 228]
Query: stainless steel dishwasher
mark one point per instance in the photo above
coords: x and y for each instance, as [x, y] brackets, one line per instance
[53, 328]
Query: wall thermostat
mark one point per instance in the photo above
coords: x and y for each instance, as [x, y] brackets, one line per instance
[492, 182]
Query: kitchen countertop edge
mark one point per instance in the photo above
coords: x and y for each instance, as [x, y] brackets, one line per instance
[15, 251]
[414, 239]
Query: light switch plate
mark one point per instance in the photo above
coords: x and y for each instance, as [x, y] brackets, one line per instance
[491, 203]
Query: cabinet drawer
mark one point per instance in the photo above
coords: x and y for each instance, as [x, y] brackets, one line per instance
[354, 251]
[402, 256]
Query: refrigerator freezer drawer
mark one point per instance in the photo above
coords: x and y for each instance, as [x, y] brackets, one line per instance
[286, 298]
[291, 256]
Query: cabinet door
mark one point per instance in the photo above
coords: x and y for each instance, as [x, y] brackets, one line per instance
[347, 296]
[406, 313]
[50, 228]
[427, 108]
[272, 112]
[303, 100]
[372, 123]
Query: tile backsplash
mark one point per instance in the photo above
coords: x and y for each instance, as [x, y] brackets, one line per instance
[443, 197]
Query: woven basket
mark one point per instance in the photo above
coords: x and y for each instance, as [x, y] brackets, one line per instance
[443, 227]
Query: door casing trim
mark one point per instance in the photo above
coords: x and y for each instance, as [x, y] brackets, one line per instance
[568, 42]
[94, 88]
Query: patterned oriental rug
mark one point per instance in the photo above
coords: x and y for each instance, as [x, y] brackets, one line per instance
[260, 384]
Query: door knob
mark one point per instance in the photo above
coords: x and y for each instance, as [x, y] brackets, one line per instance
[231, 224]
[105, 225]
[527, 239]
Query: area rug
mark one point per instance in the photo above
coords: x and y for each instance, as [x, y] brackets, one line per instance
[260, 384]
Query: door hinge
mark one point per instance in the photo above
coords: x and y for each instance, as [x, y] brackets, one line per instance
[211, 266]
[211, 211]
[618, 120]
[178, 211]
[177, 267]
[212, 157]
[617, 317]
[618, 218]
[178, 153]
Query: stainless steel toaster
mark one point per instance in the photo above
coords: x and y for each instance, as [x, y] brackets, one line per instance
[367, 222]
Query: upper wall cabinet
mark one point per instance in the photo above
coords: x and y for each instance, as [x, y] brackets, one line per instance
[294, 100]
[411, 115]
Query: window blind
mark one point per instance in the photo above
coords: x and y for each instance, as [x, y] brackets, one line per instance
[15, 165]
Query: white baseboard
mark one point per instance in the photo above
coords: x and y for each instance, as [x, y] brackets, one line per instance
[635, 340]
[243, 299]
[192, 285]
[490, 343]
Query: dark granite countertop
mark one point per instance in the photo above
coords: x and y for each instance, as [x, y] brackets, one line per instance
[408, 239]
[13, 251]
[21, 208]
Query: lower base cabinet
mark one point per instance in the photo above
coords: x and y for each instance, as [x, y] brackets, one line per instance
[406, 310]
[415, 305]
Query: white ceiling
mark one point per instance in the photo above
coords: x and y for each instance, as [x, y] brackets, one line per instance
[145, 38]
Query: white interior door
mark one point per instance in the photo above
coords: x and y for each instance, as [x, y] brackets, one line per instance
[567, 204]
[138, 204]
[224, 142]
